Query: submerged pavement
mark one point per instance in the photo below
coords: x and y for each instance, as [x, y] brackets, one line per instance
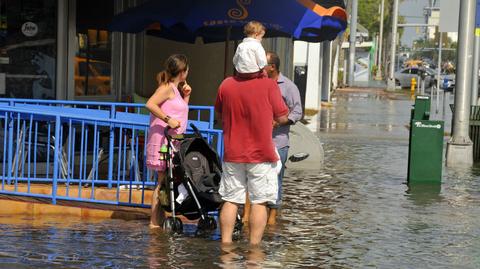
[357, 212]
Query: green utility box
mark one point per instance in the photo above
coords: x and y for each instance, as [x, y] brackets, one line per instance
[426, 145]
[421, 110]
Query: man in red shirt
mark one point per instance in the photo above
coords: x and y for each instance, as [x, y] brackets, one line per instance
[248, 107]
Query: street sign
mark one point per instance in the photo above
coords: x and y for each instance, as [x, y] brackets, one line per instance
[449, 15]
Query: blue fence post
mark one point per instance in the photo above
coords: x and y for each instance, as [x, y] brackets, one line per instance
[220, 145]
[212, 117]
[110, 148]
[10, 122]
[55, 160]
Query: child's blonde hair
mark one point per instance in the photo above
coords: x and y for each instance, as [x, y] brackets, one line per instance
[253, 28]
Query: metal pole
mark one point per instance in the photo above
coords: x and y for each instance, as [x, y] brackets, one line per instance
[432, 88]
[326, 71]
[446, 98]
[476, 60]
[419, 81]
[380, 42]
[353, 35]
[335, 67]
[460, 147]
[375, 54]
[391, 78]
[320, 74]
[439, 69]
[422, 90]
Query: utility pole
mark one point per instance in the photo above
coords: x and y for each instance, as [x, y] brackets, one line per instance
[380, 41]
[476, 60]
[460, 147]
[391, 78]
[439, 68]
[476, 54]
[353, 37]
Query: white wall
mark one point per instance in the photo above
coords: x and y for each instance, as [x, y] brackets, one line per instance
[300, 53]
[309, 54]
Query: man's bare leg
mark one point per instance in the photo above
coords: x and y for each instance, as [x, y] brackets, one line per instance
[157, 215]
[272, 216]
[257, 223]
[246, 210]
[228, 216]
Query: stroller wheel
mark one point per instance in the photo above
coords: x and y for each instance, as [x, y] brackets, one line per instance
[205, 226]
[237, 229]
[173, 225]
[208, 223]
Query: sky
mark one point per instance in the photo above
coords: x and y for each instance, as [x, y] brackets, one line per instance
[412, 10]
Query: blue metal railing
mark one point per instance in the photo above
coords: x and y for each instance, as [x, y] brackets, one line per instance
[77, 152]
[197, 113]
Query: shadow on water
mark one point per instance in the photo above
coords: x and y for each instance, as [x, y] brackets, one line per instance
[424, 194]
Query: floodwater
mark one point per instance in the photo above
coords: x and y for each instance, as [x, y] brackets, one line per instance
[356, 213]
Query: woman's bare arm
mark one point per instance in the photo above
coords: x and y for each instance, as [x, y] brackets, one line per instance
[162, 94]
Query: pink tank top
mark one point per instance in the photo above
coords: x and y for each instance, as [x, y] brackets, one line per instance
[177, 109]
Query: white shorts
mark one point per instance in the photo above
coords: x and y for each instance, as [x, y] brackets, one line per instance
[259, 179]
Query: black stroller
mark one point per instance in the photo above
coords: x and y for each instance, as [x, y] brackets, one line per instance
[192, 181]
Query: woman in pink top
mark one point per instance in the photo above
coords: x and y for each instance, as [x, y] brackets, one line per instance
[168, 106]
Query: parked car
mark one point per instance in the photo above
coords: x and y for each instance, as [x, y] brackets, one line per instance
[403, 78]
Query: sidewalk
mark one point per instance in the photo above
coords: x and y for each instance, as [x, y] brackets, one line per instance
[393, 95]
[436, 113]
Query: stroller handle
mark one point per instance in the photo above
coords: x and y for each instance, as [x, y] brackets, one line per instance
[195, 130]
[165, 132]
[183, 136]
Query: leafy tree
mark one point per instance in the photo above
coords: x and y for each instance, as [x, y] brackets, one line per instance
[369, 16]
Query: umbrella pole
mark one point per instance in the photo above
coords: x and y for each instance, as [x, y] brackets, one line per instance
[227, 43]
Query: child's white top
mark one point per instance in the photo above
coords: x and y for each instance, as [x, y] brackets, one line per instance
[250, 56]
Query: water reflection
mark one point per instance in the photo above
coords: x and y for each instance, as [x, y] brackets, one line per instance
[232, 255]
[424, 194]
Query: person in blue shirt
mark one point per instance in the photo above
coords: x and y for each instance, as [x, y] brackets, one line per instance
[280, 135]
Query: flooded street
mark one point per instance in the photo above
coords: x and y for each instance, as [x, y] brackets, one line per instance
[357, 213]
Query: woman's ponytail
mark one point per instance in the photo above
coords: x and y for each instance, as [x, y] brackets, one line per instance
[163, 78]
[173, 66]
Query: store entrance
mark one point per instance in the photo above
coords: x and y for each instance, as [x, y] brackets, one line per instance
[93, 50]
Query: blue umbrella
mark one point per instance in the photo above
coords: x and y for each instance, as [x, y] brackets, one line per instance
[221, 20]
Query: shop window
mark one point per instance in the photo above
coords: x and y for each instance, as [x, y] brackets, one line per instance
[28, 32]
[93, 57]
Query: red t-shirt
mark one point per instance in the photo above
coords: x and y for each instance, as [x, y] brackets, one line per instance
[248, 107]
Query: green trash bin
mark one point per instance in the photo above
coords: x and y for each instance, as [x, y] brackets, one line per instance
[426, 145]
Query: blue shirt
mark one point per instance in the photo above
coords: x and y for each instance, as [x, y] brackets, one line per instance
[291, 96]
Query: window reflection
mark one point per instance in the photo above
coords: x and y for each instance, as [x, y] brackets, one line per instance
[92, 65]
[28, 48]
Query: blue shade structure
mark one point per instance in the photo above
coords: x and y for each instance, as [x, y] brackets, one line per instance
[223, 20]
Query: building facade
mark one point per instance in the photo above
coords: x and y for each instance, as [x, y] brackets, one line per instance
[62, 49]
